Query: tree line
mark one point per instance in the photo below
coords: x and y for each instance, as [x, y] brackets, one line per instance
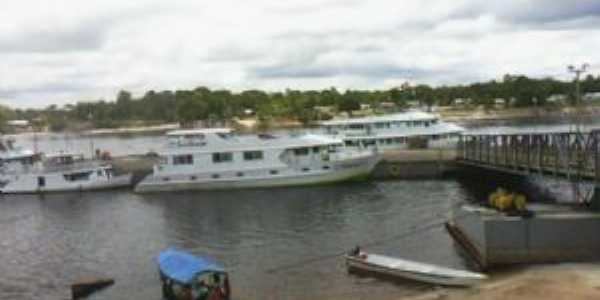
[203, 103]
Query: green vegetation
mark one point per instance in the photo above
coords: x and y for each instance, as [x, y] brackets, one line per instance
[215, 105]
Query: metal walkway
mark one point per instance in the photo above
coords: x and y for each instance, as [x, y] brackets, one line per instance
[570, 155]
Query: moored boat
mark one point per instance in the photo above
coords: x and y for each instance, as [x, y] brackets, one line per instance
[216, 158]
[376, 264]
[185, 276]
[395, 131]
[65, 172]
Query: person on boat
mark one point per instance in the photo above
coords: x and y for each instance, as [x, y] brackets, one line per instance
[201, 291]
[217, 292]
[357, 252]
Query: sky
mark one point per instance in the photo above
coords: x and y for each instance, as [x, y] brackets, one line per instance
[65, 51]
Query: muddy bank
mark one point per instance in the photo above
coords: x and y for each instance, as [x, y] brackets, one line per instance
[544, 282]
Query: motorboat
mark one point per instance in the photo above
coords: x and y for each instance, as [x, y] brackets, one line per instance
[359, 261]
[185, 276]
[65, 172]
[217, 158]
[395, 131]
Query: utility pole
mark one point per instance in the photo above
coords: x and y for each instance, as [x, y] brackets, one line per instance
[578, 71]
[578, 195]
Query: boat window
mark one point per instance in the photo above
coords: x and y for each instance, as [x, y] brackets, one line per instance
[356, 126]
[368, 142]
[41, 181]
[162, 160]
[301, 151]
[240, 174]
[78, 176]
[326, 167]
[266, 136]
[166, 179]
[316, 149]
[186, 159]
[305, 169]
[253, 155]
[216, 176]
[99, 173]
[193, 177]
[274, 172]
[220, 157]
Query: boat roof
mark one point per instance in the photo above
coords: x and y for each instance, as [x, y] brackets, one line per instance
[403, 116]
[183, 267]
[199, 131]
[258, 142]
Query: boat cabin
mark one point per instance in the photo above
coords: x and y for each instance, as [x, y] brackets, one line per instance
[63, 158]
[196, 137]
[184, 276]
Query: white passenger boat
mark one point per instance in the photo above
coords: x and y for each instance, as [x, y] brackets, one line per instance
[65, 172]
[394, 131]
[14, 160]
[205, 159]
[402, 268]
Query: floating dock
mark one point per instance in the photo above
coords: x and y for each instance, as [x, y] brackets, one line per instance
[554, 233]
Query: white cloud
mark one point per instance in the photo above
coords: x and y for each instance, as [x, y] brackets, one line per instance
[66, 50]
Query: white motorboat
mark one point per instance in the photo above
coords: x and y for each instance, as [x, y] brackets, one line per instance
[216, 158]
[402, 268]
[64, 172]
[394, 131]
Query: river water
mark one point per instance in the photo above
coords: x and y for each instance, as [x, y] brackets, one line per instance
[276, 243]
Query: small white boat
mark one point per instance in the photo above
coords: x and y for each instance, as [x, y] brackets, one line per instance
[402, 268]
[65, 172]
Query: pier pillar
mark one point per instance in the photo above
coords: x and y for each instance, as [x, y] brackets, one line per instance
[595, 201]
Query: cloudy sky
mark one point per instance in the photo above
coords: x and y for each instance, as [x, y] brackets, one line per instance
[64, 51]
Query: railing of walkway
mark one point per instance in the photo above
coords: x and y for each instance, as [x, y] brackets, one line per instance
[564, 154]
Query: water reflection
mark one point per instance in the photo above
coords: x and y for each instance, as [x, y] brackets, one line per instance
[50, 241]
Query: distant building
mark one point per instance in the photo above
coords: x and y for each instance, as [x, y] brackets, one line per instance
[556, 98]
[461, 102]
[499, 103]
[387, 106]
[19, 126]
[365, 106]
[325, 109]
[593, 96]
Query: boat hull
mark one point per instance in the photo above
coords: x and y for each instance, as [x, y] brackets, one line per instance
[355, 264]
[27, 185]
[356, 169]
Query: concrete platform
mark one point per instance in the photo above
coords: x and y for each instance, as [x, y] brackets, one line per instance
[554, 234]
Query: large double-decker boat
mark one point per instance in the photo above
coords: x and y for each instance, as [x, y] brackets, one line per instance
[217, 158]
[394, 131]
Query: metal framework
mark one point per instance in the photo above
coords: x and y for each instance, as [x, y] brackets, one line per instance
[571, 155]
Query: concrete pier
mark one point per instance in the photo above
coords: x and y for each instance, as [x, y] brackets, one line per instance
[416, 164]
[553, 234]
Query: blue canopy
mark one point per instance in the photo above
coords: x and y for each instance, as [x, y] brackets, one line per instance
[183, 267]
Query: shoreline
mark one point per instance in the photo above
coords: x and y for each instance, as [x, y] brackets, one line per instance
[563, 281]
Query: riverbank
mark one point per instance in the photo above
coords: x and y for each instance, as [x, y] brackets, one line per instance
[480, 116]
[539, 282]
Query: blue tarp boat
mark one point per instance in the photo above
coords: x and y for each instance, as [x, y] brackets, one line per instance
[186, 276]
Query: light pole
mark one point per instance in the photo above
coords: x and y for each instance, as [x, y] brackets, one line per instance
[578, 71]
[576, 183]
